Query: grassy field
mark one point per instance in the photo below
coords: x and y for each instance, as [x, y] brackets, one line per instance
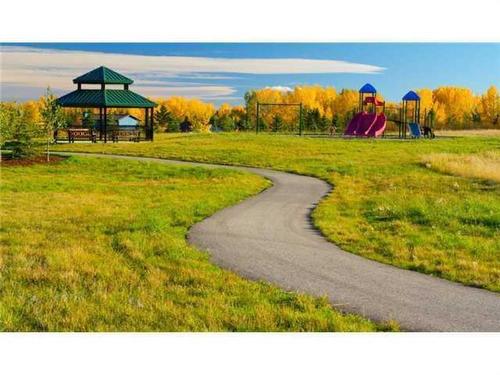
[469, 133]
[388, 203]
[99, 245]
[485, 166]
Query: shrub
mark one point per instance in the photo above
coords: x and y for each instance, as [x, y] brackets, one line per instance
[17, 131]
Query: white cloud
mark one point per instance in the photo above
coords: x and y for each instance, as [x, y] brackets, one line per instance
[204, 92]
[36, 67]
[279, 88]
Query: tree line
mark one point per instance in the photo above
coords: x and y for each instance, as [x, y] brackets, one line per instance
[323, 107]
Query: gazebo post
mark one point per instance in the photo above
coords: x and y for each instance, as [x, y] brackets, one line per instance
[100, 123]
[146, 122]
[152, 125]
[105, 125]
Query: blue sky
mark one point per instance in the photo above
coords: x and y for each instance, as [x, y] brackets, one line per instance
[223, 72]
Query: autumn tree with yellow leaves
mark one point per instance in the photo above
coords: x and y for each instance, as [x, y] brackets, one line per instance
[489, 106]
[453, 107]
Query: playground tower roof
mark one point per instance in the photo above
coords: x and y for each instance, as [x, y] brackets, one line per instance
[368, 89]
[411, 96]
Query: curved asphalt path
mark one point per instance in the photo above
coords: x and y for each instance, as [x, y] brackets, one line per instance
[270, 237]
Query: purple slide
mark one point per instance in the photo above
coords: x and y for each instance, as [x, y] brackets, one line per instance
[365, 123]
[353, 124]
[378, 126]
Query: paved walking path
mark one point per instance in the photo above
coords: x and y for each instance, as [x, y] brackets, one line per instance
[270, 237]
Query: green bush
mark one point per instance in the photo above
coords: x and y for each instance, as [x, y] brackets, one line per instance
[173, 126]
[17, 131]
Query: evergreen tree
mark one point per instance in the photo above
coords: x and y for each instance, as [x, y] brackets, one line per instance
[163, 116]
[277, 123]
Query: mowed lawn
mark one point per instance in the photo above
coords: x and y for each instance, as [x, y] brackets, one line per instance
[99, 245]
[389, 203]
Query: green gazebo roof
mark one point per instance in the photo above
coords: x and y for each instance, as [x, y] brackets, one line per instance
[105, 98]
[103, 75]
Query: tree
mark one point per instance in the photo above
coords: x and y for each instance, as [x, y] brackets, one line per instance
[426, 99]
[454, 106]
[489, 108]
[345, 102]
[277, 123]
[163, 116]
[334, 127]
[228, 118]
[53, 117]
[17, 131]
[198, 112]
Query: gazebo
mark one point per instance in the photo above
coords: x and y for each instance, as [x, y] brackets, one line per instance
[105, 98]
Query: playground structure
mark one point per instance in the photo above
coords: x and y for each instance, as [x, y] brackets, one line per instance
[368, 123]
[410, 100]
[370, 120]
[411, 122]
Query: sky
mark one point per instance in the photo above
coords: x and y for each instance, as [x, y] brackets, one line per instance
[223, 72]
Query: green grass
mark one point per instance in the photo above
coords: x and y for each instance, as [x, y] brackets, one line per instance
[99, 245]
[485, 166]
[386, 205]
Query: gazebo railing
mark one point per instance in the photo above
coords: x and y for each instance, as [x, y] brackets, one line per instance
[94, 135]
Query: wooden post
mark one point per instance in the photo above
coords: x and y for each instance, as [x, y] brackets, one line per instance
[146, 122]
[152, 123]
[100, 123]
[402, 119]
[403, 125]
[105, 125]
[418, 112]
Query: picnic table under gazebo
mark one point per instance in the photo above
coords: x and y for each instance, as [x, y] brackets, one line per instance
[105, 98]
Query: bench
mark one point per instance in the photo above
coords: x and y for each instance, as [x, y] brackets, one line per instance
[130, 135]
[73, 135]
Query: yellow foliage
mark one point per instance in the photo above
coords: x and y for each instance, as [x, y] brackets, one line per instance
[345, 102]
[490, 105]
[453, 104]
[225, 109]
[454, 107]
[314, 97]
[426, 101]
[198, 112]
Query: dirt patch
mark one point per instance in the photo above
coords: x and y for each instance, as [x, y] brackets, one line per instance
[41, 159]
